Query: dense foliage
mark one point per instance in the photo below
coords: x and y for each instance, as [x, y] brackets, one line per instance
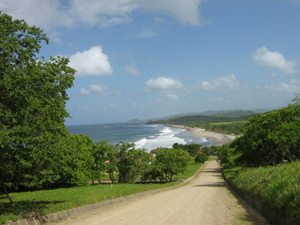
[227, 156]
[192, 149]
[201, 158]
[32, 105]
[171, 161]
[270, 139]
[132, 163]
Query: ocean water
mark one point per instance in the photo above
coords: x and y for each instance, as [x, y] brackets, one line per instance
[144, 136]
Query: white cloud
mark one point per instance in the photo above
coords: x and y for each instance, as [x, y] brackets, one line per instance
[51, 13]
[282, 88]
[47, 14]
[91, 62]
[264, 57]
[222, 82]
[132, 69]
[103, 13]
[163, 83]
[185, 11]
[97, 89]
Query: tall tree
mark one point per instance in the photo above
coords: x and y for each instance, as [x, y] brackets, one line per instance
[32, 103]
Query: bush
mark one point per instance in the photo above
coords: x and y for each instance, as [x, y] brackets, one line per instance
[201, 158]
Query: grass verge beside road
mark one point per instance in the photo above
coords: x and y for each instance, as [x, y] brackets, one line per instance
[191, 170]
[37, 203]
[278, 186]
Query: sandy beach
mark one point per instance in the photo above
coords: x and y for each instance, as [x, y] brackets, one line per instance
[217, 138]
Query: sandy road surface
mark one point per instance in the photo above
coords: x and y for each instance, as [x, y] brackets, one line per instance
[204, 200]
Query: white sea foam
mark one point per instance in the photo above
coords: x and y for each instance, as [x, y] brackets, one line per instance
[141, 143]
[203, 139]
[165, 139]
[167, 130]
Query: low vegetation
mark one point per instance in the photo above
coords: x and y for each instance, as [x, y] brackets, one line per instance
[278, 186]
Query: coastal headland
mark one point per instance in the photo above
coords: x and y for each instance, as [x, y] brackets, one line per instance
[217, 138]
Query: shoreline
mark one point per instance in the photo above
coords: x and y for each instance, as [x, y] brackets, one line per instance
[218, 139]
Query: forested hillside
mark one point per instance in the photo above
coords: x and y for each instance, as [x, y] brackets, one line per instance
[201, 119]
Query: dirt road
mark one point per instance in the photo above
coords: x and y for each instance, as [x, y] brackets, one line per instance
[204, 200]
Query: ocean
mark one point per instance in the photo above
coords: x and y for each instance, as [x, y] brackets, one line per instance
[144, 136]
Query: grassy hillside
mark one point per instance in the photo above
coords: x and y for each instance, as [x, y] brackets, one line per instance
[278, 187]
[235, 113]
[199, 120]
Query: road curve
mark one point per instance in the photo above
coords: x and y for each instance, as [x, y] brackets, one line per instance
[204, 200]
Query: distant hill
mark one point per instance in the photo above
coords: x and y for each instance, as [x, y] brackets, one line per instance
[208, 117]
[211, 113]
[195, 119]
[234, 113]
[137, 121]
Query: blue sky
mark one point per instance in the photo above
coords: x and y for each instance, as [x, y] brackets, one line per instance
[141, 59]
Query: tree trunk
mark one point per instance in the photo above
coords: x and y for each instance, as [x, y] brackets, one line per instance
[7, 194]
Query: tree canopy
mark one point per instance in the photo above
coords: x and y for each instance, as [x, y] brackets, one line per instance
[271, 138]
[171, 161]
[32, 102]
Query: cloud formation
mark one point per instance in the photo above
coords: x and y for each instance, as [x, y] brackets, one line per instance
[282, 88]
[97, 89]
[264, 57]
[223, 82]
[33, 11]
[97, 13]
[163, 83]
[184, 11]
[91, 62]
[132, 69]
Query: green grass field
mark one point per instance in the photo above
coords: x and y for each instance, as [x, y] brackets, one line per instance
[49, 201]
[226, 123]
